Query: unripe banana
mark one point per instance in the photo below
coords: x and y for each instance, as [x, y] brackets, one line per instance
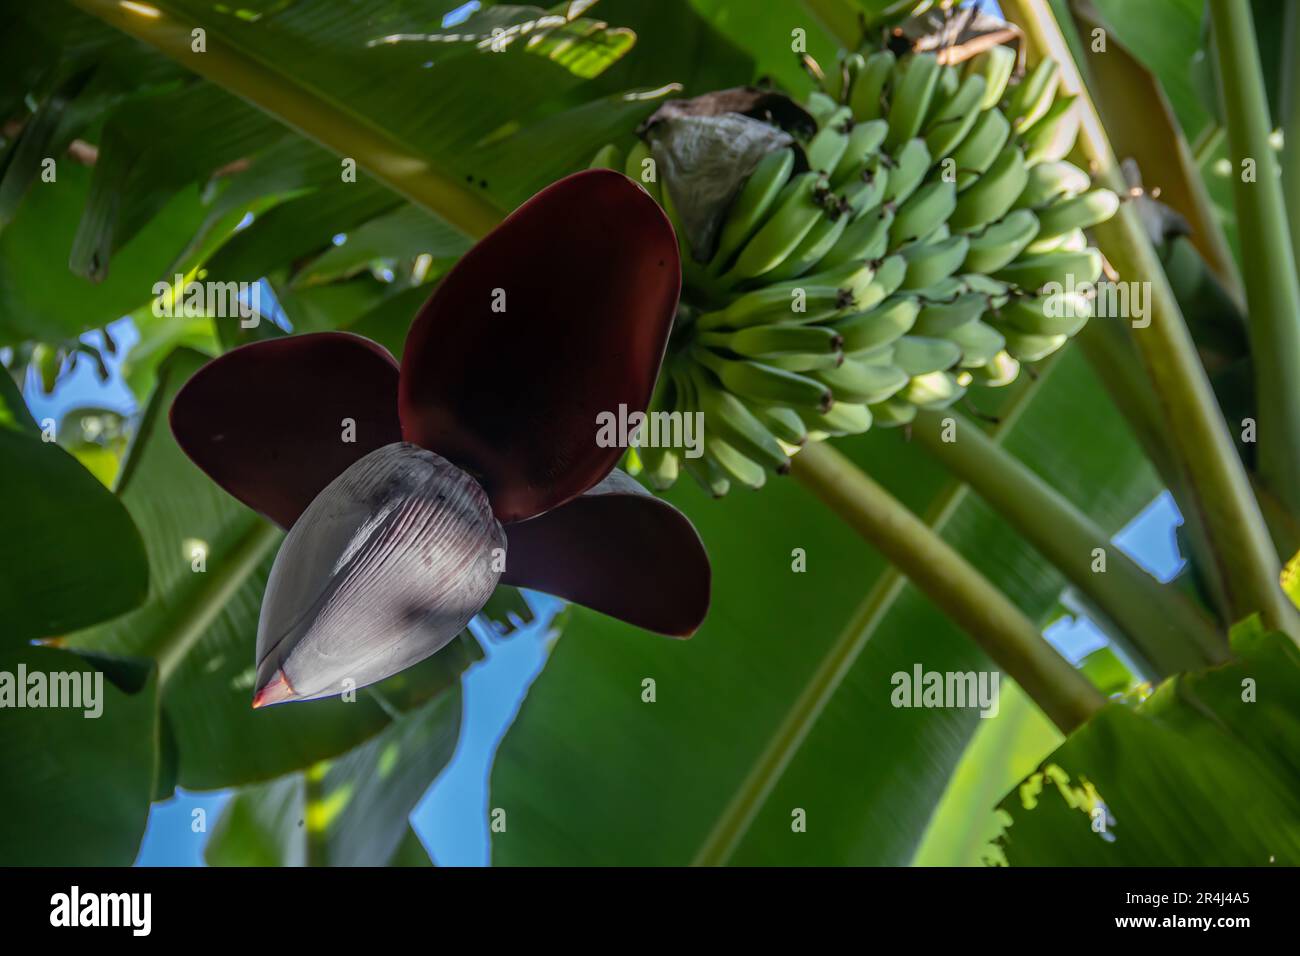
[931, 263]
[886, 323]
[735, 464]
[980, 148]
[865, 238]
[996, 65]
[820, 240]
[1052, 137]
[1051, 181]
[927, 210]
[783, 422]
[1064, 267]
[762, 341]
[608, 156]
[843, 419]
[1032, 348]
[789, 302]
[1062, 313]
[999, 371]
[795, 214]
[864, 143]
[1072, 241]
[727, 417]
[1000, 242]
[867, 96]
[661, 467]
[994, 290]
[752, 204]
[934, 390]
[860, 384]
[865, 191]
[888, 276]
[914, 82]
[829, 144]
[979, 343]
[709, 474]
[951, 124]
[1077, 212]
[1032, 96]
[849, 70]
[893, 413]
[804, 362]
[991, 197]
[920, 356]
[822, 106]
[911, 163]
[763, 383]
[941, 319]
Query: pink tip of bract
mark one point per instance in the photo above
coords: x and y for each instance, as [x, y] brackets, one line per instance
[274, 691]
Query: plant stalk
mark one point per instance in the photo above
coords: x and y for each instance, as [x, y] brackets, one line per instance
[335, 127]
[1163, 626]
[1218, 488]
[1291, 125]
[1268, 262]
[951, 582]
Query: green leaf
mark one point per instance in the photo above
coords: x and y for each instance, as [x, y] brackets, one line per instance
[407, 232]
[1205, 772]
[75, 787]
[71, 554]
[589, 773]
[201, 626]
[350, 812]
[41, 300]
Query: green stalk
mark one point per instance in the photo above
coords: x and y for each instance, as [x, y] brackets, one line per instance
[1217, 486]
[1291, 125]
[1162, 625]
[1268, 262]
[331, 124]
[950, 581]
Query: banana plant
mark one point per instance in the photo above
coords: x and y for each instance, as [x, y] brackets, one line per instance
[922, 419]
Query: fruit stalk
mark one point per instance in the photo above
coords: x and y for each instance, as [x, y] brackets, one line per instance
[1163, 627]
[1218, 487]
[952, 583]
[1268, 263]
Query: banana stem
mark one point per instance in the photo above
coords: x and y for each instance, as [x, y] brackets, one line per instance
[1161, 624]
[951, 582]
[1291, 125]
[1218, 488]
[1272, 286]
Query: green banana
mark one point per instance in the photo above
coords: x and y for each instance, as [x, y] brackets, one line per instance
[927, 210]
[980, 148]
[866, 191]
[864, 142]
[865, 238]
[893, 413]
[1049, 182]
[934, 390]
[661, 467]
[950, 126]
[1000, 370]
[1062, 313]
[866, 99]
[762, 341]
[804, 361]
[608, 156]
[850, 68]
[1076, 212]
[911, 163]
[1000, 242]
[914, 82]
[727, 417]
[929, 264]
[843, 419]
[795, 214]
[996, 65]
[979, 343]
[763, 383]
[991, 198]
[880, 326]
[944, 318]
[920, 356]
[1033, 95]
[1052, 137]
[820, 240]
[1032, 348]
[789, 302]
[1064, 267]
[860, 384]
[782, 422]
[752, 204]
[828, 146]
[736, 465]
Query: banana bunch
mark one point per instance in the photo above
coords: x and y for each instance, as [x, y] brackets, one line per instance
[928, 237]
